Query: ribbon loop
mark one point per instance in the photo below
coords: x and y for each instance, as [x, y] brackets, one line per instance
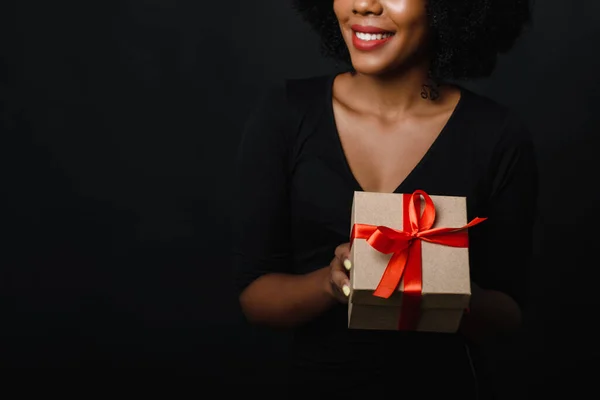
[421, 221]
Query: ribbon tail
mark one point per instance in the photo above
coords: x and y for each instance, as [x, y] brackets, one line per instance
[453, 237]
[392, 275]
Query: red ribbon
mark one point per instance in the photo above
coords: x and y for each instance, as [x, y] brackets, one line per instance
[405, 247]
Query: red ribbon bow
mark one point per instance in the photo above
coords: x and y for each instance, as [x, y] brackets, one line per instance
[405, 247]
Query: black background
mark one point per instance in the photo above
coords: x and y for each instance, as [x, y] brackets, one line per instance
[119, 122]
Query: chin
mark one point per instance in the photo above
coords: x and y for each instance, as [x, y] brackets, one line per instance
[386, 66]
[372, 68]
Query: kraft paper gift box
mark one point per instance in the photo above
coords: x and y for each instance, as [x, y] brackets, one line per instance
[432, 290]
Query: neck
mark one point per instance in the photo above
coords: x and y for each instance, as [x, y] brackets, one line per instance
[393, 93]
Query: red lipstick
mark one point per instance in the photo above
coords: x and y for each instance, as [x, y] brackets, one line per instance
[366, 42]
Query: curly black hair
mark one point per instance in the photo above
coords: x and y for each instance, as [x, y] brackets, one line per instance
[467, 35]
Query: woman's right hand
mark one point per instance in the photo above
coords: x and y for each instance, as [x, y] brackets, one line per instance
[339, 281]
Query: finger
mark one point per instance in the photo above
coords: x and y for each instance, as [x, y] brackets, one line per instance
[341, 282]
[346, 290]
[337, 266]
[342, 253]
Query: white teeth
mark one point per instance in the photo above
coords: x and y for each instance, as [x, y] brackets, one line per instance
[372, 36]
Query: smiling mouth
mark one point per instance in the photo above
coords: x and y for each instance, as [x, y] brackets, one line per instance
[367, 37]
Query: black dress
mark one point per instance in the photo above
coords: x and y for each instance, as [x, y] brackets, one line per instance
[295, 192]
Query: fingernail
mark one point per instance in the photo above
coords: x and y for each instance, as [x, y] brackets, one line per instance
[346, 290]
[347, 264]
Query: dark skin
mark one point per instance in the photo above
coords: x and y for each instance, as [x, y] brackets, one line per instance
[385, 127]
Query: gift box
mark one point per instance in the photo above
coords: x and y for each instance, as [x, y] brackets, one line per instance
[410, 262]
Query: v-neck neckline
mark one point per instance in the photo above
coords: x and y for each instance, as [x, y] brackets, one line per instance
[342, 154]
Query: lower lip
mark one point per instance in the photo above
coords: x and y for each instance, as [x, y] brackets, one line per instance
[368, 45]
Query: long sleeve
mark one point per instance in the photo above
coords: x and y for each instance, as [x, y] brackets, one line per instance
[501, 247]
[261, 233]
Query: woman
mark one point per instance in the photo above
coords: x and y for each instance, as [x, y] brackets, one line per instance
[393, 123]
